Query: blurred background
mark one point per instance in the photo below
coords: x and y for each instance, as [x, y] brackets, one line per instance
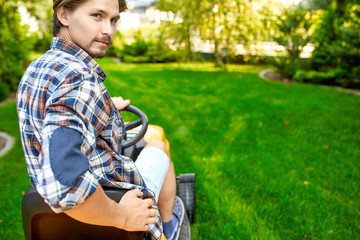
[305, 40]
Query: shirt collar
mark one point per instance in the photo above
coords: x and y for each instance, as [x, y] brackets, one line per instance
[73, 49]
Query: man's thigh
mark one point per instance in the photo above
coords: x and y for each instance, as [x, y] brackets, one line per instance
[153, 164]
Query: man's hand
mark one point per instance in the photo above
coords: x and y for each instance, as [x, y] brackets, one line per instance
[132, 213]
[120, 103]
[138, 212]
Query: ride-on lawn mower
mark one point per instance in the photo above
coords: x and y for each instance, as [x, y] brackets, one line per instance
[40, 222]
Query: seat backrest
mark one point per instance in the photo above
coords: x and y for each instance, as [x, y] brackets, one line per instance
[40, 222]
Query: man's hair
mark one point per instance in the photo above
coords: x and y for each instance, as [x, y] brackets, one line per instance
[72, 5]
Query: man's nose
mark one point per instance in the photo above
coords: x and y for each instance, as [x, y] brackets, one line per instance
[108, 28]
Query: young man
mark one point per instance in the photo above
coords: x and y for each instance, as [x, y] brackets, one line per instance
[71, 130]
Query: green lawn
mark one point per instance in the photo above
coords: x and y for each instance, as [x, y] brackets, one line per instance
[273, 160]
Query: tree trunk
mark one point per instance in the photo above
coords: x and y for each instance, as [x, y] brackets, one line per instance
[217, 53]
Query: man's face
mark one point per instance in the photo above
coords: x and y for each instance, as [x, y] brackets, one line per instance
[92, 25]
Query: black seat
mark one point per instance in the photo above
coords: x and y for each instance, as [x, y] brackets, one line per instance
[40, 222]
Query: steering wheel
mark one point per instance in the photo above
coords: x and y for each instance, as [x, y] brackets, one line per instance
[143, 121]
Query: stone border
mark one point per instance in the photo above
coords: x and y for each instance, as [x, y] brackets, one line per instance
[9, 143]
[263, 73]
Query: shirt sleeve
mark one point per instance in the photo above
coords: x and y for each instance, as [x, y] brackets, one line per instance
[68, 138]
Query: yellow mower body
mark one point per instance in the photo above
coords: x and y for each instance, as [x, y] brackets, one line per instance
[154, 133]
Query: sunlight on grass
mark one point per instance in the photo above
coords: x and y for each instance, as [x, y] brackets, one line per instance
[231, 211]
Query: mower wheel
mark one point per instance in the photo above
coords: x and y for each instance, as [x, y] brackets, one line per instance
[186, 191]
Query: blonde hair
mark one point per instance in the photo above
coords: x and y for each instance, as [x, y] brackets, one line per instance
[72, 5]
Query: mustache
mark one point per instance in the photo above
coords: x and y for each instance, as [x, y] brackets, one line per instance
[105, 39]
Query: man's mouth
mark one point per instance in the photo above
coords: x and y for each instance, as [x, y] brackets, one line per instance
[104, 42]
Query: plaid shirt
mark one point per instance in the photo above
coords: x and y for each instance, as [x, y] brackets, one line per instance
[64, 88]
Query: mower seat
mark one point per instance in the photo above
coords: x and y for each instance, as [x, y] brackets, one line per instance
[40, 222]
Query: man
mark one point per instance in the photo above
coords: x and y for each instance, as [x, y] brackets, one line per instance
[71, 130]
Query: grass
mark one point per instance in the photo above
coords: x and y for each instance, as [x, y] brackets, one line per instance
[273, 160]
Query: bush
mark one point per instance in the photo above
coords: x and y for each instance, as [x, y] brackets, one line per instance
[141, 51]
[159, 51]
[13, 45]
[315, 77]
[335, 76]
[4, 91]
[249, 59]
[285, 66]
[293, 31]
[337, 44]
[115, 49]
[41, 41]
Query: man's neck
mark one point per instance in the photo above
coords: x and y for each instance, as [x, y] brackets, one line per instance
[64, 34]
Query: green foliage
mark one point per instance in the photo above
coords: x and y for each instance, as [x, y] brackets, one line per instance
[318, 77]
[249, 59]
[138, 48]
[40, 41]
[334, 76]
[224, 23]
[115, 49]
[4, 91]
[180, 31]
[141, 51]
[40, 9]
[286, 66]
[13, 45]
[293, 33]
[338, 42]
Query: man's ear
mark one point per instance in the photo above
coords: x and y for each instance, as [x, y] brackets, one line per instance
[62, 14]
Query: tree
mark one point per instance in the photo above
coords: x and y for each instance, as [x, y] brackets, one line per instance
[223, 22]
[42, 11]
[184, 25]
[293, 33]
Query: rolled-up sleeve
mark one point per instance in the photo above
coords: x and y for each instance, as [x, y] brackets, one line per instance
[68, 138]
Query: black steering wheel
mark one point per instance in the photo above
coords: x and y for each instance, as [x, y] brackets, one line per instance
[143, 120]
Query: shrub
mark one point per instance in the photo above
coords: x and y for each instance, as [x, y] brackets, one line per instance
[141, 51]
[293, 31]
[337, 43]
[115, 49]
[314, 77]
[4, 91]
[159, 51]
[13, 45]
[249, 59]
[41, 41]
[138, 48]
[285, 66]
[335, 76]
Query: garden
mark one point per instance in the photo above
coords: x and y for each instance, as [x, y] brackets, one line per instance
[272, 160]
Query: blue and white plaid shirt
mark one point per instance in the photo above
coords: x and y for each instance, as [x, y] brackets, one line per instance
[64, 88]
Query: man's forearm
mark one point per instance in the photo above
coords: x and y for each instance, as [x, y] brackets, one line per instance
[98, 209]
[131, 214]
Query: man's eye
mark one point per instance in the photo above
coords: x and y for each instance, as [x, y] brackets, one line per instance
[114, 20]
[96, 15]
